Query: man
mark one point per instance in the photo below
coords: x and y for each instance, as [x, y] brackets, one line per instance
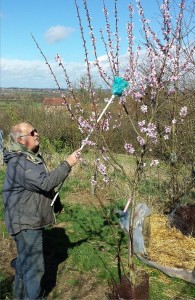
[27, 195]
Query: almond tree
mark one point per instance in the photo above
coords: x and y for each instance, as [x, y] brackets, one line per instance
[157, 106]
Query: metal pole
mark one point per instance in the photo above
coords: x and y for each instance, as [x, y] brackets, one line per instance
[101, 115]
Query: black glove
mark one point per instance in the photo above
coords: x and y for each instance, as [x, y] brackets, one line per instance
[58, 207]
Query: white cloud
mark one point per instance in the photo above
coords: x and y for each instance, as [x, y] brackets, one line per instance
[57, 33]
[103, 58]
[36, 74]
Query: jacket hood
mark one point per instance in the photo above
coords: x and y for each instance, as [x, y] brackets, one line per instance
[35, 158]
[7, 155]
[17, 149]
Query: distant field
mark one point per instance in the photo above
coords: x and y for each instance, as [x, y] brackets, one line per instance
[10, 98]
[39, 94]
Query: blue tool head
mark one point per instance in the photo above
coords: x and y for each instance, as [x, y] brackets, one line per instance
[119, 86]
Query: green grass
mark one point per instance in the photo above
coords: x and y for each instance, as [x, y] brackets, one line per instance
[5, 286]
[73, 185]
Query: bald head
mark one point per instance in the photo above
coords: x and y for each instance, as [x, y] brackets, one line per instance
[25, 134]
[18, 130]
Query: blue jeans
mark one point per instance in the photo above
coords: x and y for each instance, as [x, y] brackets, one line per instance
[29, 264]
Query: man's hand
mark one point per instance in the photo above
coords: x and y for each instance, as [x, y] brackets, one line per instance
[74, 158]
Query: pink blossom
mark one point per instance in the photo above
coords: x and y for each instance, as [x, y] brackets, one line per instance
[144, 108]
[141, 125]
[90, 143]
[141, 140]
[129, 148]
[183, 111]
[83, 124]
[106, 179]
[58, 58]
[151, 131]
[154, 162]
[102, 169]
[106, 125]
[166, 137]
[172, 91]
[131, 9]
[103, 150]
[173, 78]
[93, 182]
[168, 129]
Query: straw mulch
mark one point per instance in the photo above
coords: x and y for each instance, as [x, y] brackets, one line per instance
[168, 246]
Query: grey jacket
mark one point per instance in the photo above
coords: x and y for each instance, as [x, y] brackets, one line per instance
[28, 191]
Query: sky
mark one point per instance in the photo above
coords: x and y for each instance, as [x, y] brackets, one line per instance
[55, 27]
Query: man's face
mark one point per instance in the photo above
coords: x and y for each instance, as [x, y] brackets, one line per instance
[29, 137]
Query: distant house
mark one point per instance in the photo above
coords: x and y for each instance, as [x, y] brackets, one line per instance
[53, 102]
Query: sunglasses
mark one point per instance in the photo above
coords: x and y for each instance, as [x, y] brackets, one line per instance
[32, 133]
